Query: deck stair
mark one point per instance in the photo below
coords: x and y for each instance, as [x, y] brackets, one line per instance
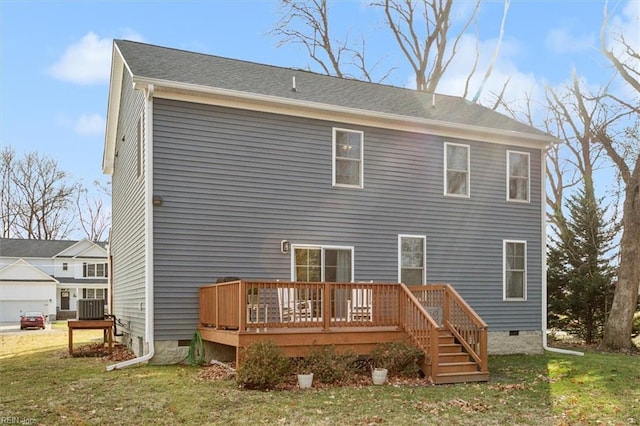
[454, 363]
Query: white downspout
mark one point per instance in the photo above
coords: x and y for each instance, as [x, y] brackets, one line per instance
[148, 213]
[543, 203]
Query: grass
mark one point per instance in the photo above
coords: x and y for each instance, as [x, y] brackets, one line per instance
[41, 384]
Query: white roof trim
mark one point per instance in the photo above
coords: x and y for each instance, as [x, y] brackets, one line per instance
[113, 110]
[84, 240]
[313, 109]
[224, 97]
[22, 262]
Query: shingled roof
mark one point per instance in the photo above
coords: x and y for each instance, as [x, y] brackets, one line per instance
[173, 65]
[23, 248]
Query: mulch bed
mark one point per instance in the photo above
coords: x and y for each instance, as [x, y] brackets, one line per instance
[100, 350]
[219, 372]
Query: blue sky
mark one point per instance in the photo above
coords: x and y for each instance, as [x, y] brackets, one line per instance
[55, 55]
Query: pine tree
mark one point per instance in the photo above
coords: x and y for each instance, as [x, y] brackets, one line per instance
[580, 276]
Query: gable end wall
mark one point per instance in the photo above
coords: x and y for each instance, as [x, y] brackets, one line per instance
[127, 238]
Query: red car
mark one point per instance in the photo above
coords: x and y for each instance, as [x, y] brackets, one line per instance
[32, 319]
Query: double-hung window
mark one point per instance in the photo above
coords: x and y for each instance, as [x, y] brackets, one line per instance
[517, 176]
[515, 270]
[456, 166]
[94, 293]
[95, 270]
[322, 263]
[412, 258]
[348, 158]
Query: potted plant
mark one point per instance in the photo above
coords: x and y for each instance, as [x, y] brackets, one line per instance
[379, 375]
[395, 358]
[380, 359]
[304, 374]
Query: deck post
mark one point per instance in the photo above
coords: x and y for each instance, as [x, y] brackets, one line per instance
[446, 314]
[242, 308]
[484, 365]
[217, 309]
[325, 301]
[402, 309]
[434, 350]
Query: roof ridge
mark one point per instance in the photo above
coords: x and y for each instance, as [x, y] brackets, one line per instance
[296, 69]
[197, 69]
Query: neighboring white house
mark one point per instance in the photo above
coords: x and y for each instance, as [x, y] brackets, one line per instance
[50, 276]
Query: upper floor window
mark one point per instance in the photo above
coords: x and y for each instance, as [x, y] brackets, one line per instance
[95, 270]
[412, 258]
[515, 270]
[65, 266]
[456, 166]
[347, 158]
[518, 176]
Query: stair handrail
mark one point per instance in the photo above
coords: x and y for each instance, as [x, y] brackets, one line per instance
[430, 347]
[474, 340]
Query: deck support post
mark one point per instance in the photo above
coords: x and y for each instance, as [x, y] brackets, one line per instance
[326, 306]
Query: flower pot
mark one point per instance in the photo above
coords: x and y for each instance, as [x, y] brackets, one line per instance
[305, 380]
[379, 376]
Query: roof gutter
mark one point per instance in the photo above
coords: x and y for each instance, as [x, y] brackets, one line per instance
[148, 213]
[545, 344]
[298, 107]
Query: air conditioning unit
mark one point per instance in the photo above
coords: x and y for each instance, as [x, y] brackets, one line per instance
[91, 309]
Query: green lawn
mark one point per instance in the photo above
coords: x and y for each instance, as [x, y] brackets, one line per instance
[41, 384]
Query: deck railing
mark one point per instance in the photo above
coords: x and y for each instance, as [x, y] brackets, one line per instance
[446, 307]
[249, 306]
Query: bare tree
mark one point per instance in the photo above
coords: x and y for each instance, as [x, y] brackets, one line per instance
[307, 23]
[93, 215]
[423, 30]
[8, 212]
[622, 148]
[39, 197]
[576, 114]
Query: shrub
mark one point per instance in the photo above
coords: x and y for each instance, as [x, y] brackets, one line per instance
[264, 366]
[400, 358]
[327, 365]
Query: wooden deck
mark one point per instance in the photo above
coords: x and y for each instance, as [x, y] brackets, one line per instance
[349, 316]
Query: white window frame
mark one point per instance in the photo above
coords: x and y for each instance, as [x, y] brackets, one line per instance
[322, 249]
[504, 271]
[334, 157]
[516, 200]
[424, 255]
[92, 293]
[85, 270]
[467, 171]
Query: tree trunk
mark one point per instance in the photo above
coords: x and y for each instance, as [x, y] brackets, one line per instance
[619, 323]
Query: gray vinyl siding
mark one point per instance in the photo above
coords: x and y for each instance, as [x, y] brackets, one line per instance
[235, 183]
[128, 228]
